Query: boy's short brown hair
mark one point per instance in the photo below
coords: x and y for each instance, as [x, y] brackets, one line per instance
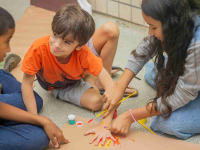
[70, 18]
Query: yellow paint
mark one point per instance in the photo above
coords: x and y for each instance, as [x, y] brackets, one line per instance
[108, 145]
[143, 120]
[102, 122]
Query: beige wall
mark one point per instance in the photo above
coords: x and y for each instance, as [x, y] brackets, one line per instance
[15, 7]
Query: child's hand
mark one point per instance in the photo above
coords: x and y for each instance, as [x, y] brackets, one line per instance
[100, 135]
[121, 124]
[111, 97]
[54, 133]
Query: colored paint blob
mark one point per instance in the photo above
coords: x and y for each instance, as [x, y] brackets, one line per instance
[131, 139]
[90, 120]
[109, 141]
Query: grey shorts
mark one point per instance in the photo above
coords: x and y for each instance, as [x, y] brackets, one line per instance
[73, 93]
[91, 47]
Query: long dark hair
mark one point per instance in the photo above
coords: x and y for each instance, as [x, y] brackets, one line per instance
[178, 27]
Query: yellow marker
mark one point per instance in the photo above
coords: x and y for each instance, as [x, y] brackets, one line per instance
[146, 127]
[143, 120]
[116, 104]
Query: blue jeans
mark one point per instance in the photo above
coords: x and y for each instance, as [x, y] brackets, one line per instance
[15, 135]
[183, 122]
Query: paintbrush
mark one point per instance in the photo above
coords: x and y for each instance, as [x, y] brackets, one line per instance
[116, 104]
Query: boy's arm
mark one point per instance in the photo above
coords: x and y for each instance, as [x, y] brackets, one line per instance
[105, 79]
[53, 132]
[9, 112]
[27, 93]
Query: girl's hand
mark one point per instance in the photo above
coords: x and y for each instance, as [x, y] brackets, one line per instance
[100, 135]
[54, 133]
[122, 123]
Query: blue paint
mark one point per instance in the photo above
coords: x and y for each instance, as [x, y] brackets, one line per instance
[71, 122]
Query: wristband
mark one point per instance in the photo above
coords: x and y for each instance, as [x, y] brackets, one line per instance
[132, 116]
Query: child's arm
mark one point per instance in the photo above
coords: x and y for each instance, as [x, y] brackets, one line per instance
[27, 93]
[101, 132]
[122, 123]
[105, 79]
[115, 93]
[12, 113]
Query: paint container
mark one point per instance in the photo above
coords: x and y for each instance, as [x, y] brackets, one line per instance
[115, 114]
[79, 123]
[71, 119]
[143, 120]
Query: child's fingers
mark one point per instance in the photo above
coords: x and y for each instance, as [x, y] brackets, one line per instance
[54, 141]
[93, 139]
[99, 139]
[103, 98]
[59, 142]
[105, 107]
[89, 132]
[110, 135]
[103, 140]
[65, 141]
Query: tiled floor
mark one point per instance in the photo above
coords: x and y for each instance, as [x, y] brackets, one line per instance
[130, 36]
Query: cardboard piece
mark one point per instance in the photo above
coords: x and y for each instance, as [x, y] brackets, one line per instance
[142, 141]
[34, 23]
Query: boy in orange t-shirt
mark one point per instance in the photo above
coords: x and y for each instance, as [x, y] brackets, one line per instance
[60, 62]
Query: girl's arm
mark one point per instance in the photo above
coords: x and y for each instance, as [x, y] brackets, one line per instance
[12, 113]
[123, 122]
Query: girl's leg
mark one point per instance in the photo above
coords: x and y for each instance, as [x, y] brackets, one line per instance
[23, 137]
[150, 74]
[151, 71]
[183, 123]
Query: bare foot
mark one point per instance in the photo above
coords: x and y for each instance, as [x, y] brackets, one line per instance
[129, 89]
[114, 71]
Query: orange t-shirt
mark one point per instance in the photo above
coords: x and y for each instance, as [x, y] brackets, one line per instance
[53, 75]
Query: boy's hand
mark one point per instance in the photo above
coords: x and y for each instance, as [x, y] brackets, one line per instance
[111, 97]
[54, 133]
[100, 135]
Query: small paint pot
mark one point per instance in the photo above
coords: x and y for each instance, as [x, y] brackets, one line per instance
[71, 119]
[79, 123]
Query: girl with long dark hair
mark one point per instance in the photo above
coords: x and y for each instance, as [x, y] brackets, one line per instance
[174, 30]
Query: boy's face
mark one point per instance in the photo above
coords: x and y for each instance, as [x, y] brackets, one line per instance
[5, 43]
[63, 48]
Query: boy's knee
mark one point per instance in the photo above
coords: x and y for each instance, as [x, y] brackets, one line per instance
[96, 103]
[111, 30]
